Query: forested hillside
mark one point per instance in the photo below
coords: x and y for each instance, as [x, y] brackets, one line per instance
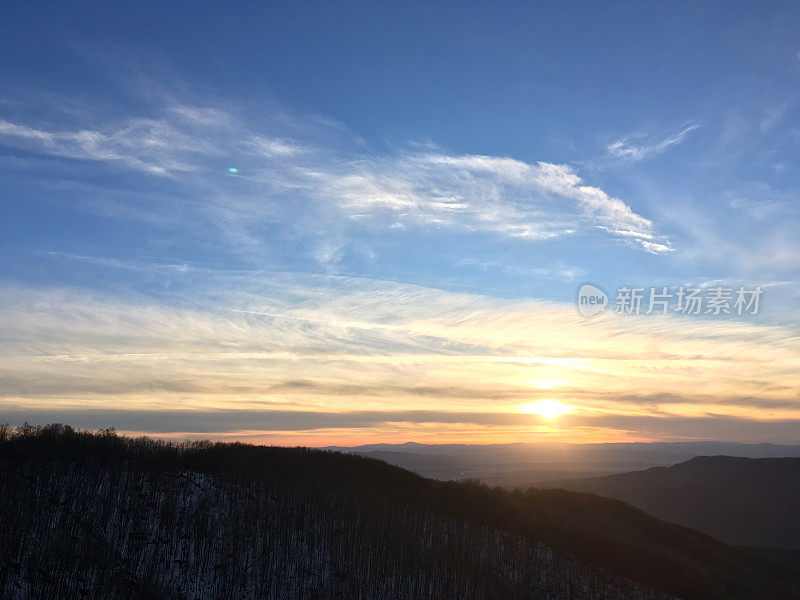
[746, 501]
[100, 516]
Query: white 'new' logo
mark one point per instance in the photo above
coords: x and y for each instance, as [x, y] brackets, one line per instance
[591, 300]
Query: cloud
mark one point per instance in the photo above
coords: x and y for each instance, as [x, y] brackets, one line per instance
[636, 147]
[557, 270]
[249, 423]
[484, 193]
[142, 144]
[273, 147]
[291, 346]
[776, 114]
[760, 201]
[284, 172]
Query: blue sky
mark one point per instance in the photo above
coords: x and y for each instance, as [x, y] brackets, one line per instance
[399, 169]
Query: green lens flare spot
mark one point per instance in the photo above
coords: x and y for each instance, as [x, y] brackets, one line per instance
[233, 171]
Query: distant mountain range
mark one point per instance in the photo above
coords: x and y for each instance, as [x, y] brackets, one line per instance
[746, 501]
[523, 465]
[102, 517]
[745, 494]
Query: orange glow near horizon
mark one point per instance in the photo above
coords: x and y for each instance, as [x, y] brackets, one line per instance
[445, 368]
[400, 433]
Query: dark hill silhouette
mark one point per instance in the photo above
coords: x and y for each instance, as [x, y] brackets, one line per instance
[744, 501]
[100, 516]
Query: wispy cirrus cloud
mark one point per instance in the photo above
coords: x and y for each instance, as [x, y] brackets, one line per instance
[557, 270]
[290, 350]
[422, 188]
[486, 193]
[775, 114]
[142, 144]
[638, 146]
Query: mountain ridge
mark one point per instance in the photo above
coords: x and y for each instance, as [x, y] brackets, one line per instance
[350, 523]
[740, 500]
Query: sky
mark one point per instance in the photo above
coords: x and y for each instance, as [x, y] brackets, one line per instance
[355, 222]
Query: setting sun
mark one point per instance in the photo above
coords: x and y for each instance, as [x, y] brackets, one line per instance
[550, 409]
